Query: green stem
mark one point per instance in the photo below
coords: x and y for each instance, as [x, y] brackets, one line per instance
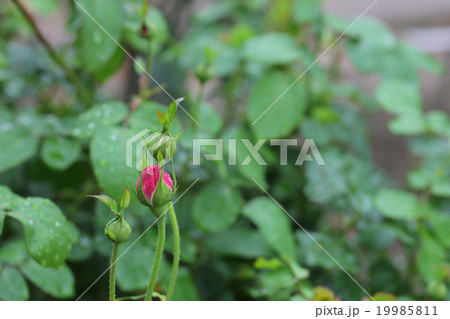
[176, 251]
[83, 91]
[112, 273]
[158, 257]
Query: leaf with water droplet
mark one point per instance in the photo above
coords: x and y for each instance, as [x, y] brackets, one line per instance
[99, 116]
[47, 243]
[108, 159]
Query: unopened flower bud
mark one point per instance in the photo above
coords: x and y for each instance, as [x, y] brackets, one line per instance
[162, 141]
[118, 230]
[153, 191]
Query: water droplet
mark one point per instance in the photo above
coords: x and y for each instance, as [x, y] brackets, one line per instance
[91, 125]
[31, 222]
[57, 224]
[76, 132]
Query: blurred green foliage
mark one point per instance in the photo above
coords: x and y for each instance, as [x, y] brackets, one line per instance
[237, 243]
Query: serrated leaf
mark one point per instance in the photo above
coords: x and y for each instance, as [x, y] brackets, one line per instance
[59, 283]
[216, 207]
[273, 223]
[173, 107]
[12, 285]
[108, 201]
[60, 153]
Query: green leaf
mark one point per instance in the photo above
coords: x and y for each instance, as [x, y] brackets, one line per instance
[185, 289]
[113, 65]
[240, 242]
[210, 121]
[264, 263]
[216, 207]
[441, 226]
[271, 49]
[173, 107]
[126, 197]
[437, 122]
[411, 123]
[398, 97]
[108, 152]
[283, 116]
[133, 269]
[16, 147]
[327, 182]
[47, 233]
[12, 285]
[13, 252]
[96, 44]
[145, 117]
[111, 202]
[2, 219]
[99, 116]
[59, 283]
[306, 11]
[60, 153]
[313, 256]
[157, 26]
[273, 224]
[251, 171]
[397, 204]
[430, 258]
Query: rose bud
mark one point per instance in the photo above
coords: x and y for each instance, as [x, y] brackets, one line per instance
[118, 230]
[162, 141]
[154, 191]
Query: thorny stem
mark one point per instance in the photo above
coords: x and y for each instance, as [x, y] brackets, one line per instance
[158, 257]
[112, 272]
[176, 251]
[83, 92]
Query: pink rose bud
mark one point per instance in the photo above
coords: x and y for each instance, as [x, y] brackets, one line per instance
[151, 191]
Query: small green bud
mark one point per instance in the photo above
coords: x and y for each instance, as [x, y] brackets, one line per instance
[118, 230]
[163, 142]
